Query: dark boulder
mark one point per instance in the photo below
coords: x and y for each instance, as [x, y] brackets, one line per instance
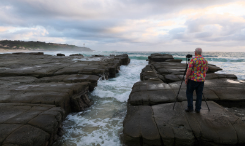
[80, 55]
[59, 54]
[159, 57]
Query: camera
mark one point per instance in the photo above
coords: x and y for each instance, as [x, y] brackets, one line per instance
[188, 56]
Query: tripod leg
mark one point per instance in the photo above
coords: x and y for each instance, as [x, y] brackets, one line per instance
[206, 101]
[181, 83]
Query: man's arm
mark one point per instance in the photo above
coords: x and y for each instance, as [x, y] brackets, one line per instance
[188, 73]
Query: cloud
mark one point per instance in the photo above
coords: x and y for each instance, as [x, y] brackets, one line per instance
[136, 23]
[218, 26]
[102, 9]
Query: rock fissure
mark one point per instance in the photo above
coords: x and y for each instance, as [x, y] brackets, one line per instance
[11, 133]
[40, 90]
[157, 127]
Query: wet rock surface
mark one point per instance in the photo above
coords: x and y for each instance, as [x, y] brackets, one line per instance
[150, 107]
[38, 91]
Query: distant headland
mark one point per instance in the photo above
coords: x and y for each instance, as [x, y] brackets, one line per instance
[38, 46]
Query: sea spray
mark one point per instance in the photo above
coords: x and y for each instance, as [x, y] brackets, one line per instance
[101, 124]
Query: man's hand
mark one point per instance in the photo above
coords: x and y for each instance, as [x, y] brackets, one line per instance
[186, 81]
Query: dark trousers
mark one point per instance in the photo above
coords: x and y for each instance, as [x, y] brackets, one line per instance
[191, 86]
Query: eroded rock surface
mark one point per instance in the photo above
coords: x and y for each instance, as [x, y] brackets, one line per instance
[150, 107]
[29, 124]
[38, 91]
[176, 127]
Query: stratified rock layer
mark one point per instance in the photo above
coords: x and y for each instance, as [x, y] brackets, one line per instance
[151, 119]
[38, 91]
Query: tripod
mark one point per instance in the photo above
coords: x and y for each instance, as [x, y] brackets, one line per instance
[187, 60]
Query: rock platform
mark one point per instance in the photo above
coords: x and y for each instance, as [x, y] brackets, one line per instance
[38, 91]
[151, 119]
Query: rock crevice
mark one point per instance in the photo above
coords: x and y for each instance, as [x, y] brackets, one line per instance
[38, 91]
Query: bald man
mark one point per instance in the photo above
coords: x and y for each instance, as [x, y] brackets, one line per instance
[195, 77]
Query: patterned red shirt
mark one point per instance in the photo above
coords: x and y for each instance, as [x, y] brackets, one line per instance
[199, 67]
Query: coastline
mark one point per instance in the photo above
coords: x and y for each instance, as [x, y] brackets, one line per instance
[2, 50]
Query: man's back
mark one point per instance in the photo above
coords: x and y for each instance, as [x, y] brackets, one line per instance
[199, 67]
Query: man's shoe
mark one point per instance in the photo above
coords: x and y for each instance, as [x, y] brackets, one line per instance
[189, 110]
[197, 111]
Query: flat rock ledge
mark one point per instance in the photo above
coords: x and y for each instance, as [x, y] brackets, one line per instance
[38, 91]
[151, 119]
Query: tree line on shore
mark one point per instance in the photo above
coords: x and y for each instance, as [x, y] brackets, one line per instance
[37, 45]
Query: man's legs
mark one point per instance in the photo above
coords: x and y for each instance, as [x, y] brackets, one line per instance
[189, 94]
[199, 91]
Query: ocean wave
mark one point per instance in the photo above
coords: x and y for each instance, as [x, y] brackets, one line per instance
[121, 86]
[226, 59]
[218, 59]
[139, 57]
[210, 56]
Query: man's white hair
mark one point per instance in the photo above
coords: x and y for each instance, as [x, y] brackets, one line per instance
[198, 51]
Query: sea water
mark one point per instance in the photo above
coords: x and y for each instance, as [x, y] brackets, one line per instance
[102, 123]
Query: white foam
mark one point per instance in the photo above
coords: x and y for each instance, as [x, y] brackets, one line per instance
[94, 127]
[121, 86]
[102, 123]
[88, 59]
[236, 68]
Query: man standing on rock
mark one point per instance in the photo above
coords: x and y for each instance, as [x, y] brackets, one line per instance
[195, 77]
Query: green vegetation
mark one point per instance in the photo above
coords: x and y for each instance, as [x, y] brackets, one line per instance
[36, 45]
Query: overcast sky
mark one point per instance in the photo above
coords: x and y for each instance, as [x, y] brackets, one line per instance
[128, 25]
